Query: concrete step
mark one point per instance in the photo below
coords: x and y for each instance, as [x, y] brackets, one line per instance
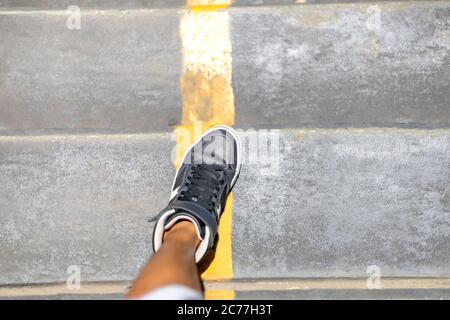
[322, 289]
[345, 294]
[293, 66]
[79, 200]
[319, 294]
[140, 4]
[329, 204]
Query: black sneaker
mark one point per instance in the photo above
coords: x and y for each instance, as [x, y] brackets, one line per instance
[208, 172]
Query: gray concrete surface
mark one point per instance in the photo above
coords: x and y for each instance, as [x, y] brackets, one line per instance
[115, 296]
[79, 200]
[120, 71]
[77, 188]
[89, 4]
[320, 294]
[321, 66]
[337, 294]
[312, 66]
[133, 4]
[340, 201]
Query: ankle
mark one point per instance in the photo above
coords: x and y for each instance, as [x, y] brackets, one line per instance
[184, 231]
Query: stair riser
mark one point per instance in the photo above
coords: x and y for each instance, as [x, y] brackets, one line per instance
[139, 4]
[344, 200]
[293, 66]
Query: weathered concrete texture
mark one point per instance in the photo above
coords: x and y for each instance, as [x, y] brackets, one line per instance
[119, 70]
[301, 2]
[337, 294]
[115, 296]
[331, 66]
[79, 200]
[318, 294]
[139, 4]
[318, 66]
[90, 4]
[342, 200]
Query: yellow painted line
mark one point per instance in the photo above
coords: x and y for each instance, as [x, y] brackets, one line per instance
[211, 8]
[208, 3]
[221, 267]
[208, 100]
[220, 295]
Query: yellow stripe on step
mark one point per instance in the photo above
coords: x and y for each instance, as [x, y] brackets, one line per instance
[208, 100]
[210, 8]
[208, 3]
[220, 294]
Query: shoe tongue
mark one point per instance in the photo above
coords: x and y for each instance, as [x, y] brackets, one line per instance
[209, 172]
[212, 151]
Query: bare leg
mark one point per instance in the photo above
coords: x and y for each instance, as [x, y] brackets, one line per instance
[173, 263]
